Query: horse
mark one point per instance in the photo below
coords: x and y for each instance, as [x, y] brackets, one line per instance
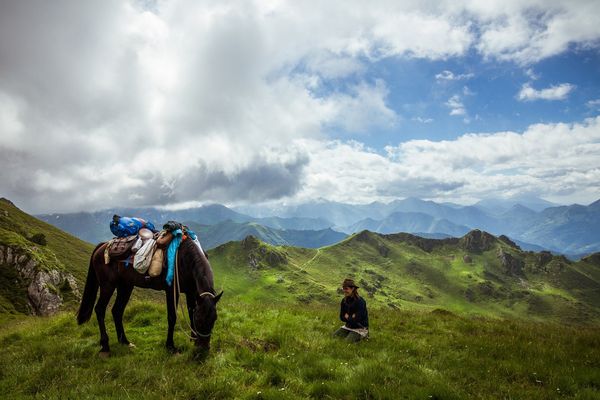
[193, 276]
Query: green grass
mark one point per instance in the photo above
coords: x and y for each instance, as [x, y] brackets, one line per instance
[264, 350]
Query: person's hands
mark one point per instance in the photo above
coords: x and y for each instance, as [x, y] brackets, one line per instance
[346, 316]
[353, 315]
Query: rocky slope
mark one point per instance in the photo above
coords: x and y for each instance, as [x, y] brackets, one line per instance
[41, 267]
[42, 291]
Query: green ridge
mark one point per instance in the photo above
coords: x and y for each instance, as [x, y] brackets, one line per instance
[404, 271]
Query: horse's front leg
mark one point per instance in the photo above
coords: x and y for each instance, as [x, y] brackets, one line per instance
[105, 295]
[123, 295]
[171, 318]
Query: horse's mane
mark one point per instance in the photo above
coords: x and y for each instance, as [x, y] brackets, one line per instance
[201, 268]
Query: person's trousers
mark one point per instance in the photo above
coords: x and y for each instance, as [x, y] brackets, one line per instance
[349, 335]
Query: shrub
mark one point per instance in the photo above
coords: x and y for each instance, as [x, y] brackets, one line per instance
[39, 238]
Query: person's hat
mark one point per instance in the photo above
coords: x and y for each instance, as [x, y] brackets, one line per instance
[349, 283]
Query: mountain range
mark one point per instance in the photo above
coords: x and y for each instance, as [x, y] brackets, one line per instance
[572, 230]
[478, 273]
[214, 235]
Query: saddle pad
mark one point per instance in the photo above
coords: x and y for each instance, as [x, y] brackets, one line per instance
[118, 247]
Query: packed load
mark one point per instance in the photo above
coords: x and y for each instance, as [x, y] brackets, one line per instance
[128, 226]
[131, 235]
[139, 243]
[180, 233]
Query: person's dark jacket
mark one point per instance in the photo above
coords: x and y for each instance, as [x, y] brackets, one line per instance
[356, 308]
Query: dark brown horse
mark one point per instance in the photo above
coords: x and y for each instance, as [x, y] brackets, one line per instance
[194, 277]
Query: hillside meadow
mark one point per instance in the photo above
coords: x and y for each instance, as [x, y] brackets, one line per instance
[262, 350]
[468, 318]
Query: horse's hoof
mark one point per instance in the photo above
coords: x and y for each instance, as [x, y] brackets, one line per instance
[104, 354]
[131, 345]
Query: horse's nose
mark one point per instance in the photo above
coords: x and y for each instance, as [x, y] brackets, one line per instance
[203, 343]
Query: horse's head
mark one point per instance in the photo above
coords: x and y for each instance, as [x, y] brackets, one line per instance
[205, 316]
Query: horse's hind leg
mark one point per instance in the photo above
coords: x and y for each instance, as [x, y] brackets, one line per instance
[105, 295]
[123, 295]
[171, 318]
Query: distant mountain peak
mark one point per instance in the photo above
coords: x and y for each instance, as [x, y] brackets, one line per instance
[595, 205]
[521, 207]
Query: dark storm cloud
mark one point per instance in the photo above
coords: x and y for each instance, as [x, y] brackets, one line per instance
[260, 181]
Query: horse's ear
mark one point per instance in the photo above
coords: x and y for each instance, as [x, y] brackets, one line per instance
[218, 297]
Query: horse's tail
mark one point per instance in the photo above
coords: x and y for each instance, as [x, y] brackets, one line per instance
[89, 293]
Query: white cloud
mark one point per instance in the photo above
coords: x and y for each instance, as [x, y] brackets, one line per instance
[531, 74]
[555, 92]
[593, 104]
[528, 31]
[227, 87]
[552, 160]
[11, 125]
[456, 106]
[450, 76]
[362, 109]
[423, 120]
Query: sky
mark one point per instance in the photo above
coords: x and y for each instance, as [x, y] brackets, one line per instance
[181, 103]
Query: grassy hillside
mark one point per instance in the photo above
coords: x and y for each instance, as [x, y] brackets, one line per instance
[264, 350]
[18, 227]
[477, 274]
[485, 276]
[473, 317]
[49, 246]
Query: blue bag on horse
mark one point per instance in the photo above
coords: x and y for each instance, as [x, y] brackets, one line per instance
[128, 226]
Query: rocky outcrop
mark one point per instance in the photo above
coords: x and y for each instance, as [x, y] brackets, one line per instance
[477, 241]
[511, 264]
[250, 243]
[509, 242]
[261, 255]
[542, 259]
[45, 288]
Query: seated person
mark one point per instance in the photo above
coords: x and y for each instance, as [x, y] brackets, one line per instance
[353, 312]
